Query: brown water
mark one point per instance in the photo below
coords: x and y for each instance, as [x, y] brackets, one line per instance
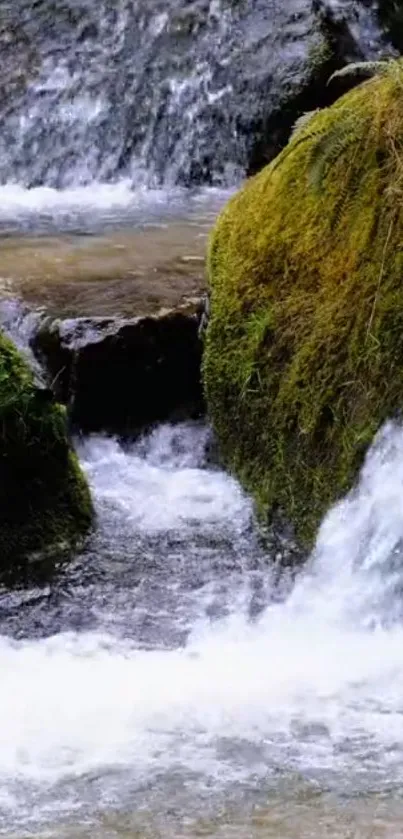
[292, 816]
[121, 272]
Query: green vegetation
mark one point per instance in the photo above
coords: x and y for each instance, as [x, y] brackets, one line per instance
[366, 69]
[304, 348]
[45, 505]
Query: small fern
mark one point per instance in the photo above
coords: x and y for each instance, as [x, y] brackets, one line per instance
[302, 122]
[329, 145]
[365, 68]
[299, 135]
[332, 145]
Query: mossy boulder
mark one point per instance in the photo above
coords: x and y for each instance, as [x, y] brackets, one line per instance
[45, 505]
[304, 348]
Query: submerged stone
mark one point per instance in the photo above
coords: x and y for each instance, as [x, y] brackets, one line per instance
[304, 347]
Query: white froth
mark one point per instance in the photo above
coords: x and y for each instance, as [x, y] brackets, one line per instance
[35, 205]
[160, 486]
[315, 684]
[15, 199]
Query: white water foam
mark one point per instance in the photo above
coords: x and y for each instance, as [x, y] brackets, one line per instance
[314, 685]
[81, 207]
[160, 486]
[15, 198]
[96, 204]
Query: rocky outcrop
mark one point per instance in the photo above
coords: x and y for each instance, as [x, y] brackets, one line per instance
[304, 346]
[122, 376]
[390, 14]
[45, 506]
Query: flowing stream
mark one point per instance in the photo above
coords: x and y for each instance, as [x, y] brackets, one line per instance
[173, 684]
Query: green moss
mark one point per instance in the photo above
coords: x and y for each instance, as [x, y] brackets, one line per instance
[45, 505]
[304, 348]
[320, 54]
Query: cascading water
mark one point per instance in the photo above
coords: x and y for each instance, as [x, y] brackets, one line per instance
[169, 685]
[146, 90]
[124, 95]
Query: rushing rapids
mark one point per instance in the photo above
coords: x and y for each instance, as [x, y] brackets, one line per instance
[169, 676]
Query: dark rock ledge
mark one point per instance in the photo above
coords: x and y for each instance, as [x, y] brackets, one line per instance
[123, 375]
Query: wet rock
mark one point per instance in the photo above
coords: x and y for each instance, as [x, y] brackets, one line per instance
[122, 376]
[391, 18]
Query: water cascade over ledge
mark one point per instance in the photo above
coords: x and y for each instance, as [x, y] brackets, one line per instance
[111, 112]
[154, 92]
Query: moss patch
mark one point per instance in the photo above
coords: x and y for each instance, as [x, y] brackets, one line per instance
[45, 505]
[304, 348]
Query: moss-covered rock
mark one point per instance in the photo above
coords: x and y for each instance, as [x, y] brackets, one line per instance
[304, 348]
[45, 505]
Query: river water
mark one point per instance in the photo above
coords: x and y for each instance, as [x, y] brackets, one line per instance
[172, 683]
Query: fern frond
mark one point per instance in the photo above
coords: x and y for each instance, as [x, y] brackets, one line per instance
[347, 203]
[330, 147]
[297, 137]
[363, 68]
[302, 122]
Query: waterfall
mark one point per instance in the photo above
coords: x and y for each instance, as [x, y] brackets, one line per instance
[150, 91]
